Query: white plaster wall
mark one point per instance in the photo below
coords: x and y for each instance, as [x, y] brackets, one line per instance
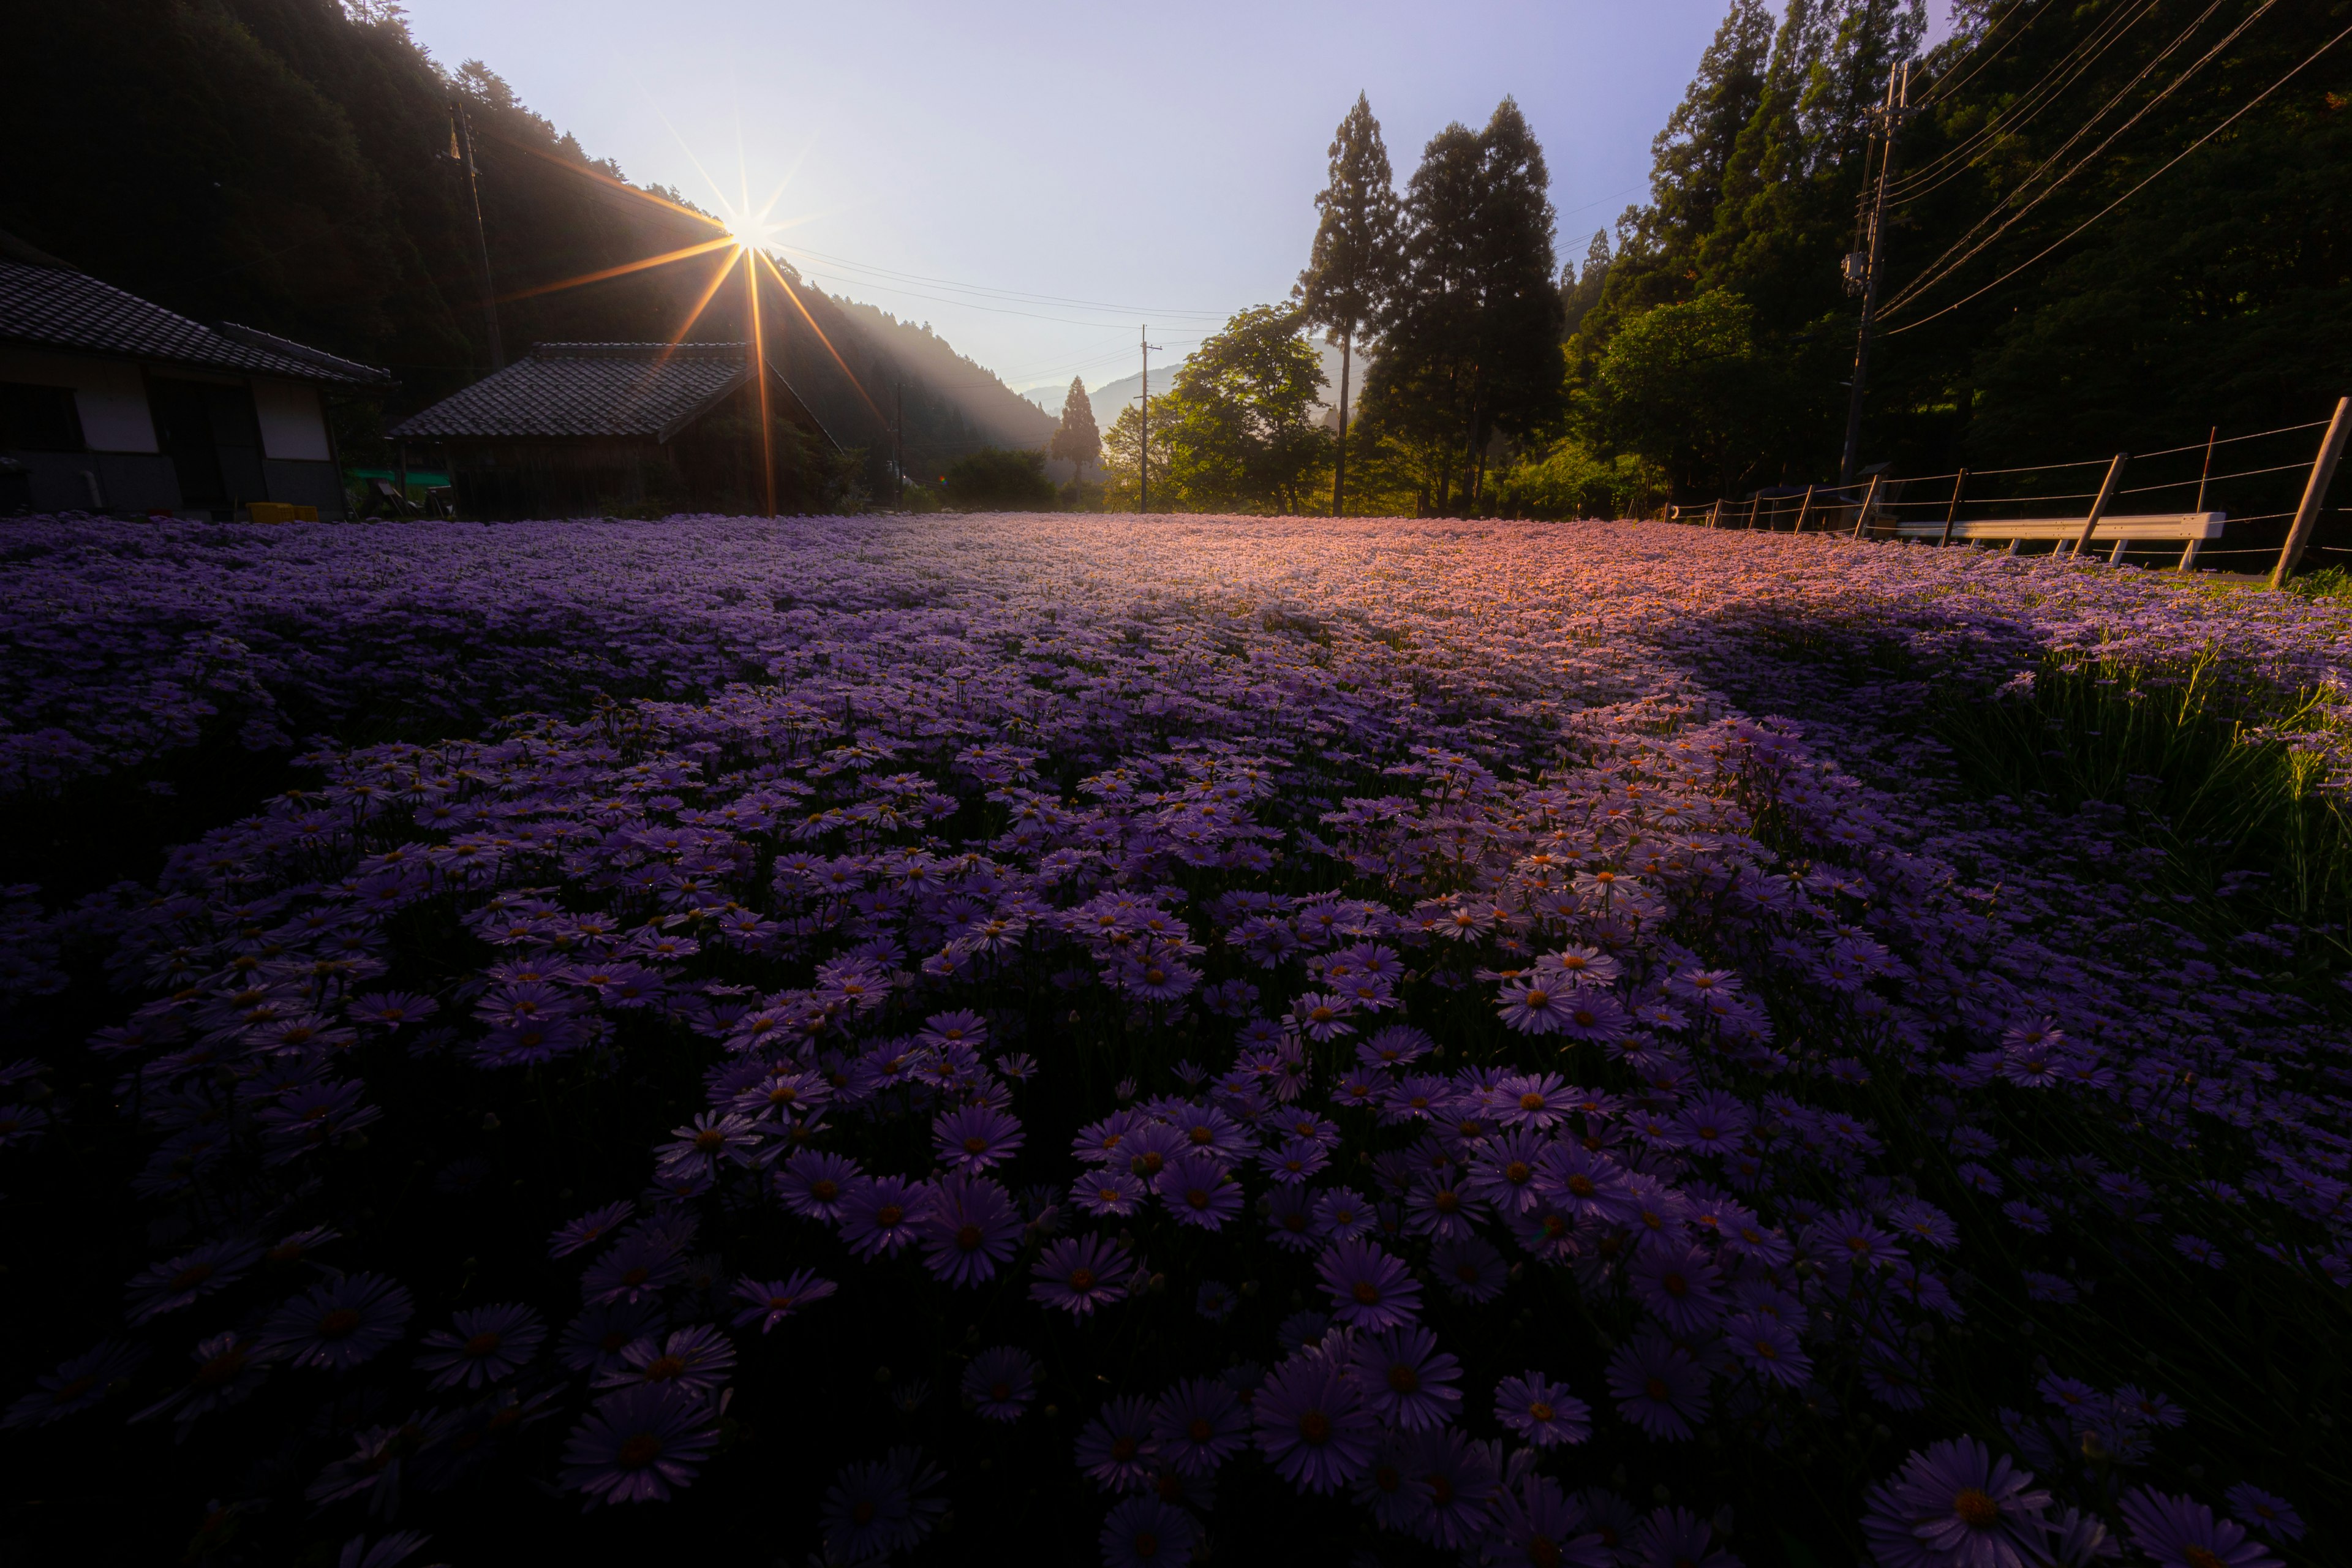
[291, 423]
[108, 395]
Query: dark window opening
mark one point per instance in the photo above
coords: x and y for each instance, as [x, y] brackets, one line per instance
[38, 418]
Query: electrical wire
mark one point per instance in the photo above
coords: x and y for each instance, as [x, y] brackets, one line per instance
[2127, 195]
[2033, 101]
[1946, 265]
[1015, 296]
[1949, 86]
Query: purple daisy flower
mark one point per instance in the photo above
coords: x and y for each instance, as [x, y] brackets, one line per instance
[482, 1346]
[594, 1341]
[1585, 1183]
[1116, 1447]
[880, 1507]
[641, 1264]
[1536, 1524]
[1199, 1191]
[2181, 1532]
[813, 1184]
[1341, 1214]
[1543, 1413]
[1657, 1385]
[1079, 1273]
[1677, 1538]
[229, 1367]
[1198, 1424]
[773, 1301]
[341, 1323]
[1470, 1269]
[1677, 1284]
[1406, 1381]
[972, 1227]
[79, 1384]
[178, 1282]
[1108, 1190]
[2255, 1509]
[1769, 1348]
[1457, 1478]
[1147, 1533]
[1954, 1506]
[638, 1444]
[589, 1229]
[1312, 1424]
[1290, 1218]
[697, 1358]
[974, 1137]
[882, 1214]
[1369, 1288]
[1213, 1300]
[1001, 1383]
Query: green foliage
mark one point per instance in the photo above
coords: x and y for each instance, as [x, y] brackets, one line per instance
[994, 480]
[1566, 480]
[2220, 294]
[1467, 339]
[1352, 267]
[1242, 435]
[1687, 387]
[1123, 451]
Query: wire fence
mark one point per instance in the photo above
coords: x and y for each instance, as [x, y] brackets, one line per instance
[2274, 506]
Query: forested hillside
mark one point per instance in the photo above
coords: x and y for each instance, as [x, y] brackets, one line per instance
[285, 163]
[2056, 283]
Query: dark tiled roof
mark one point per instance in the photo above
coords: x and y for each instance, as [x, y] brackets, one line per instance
[651, 390]
[54, 307]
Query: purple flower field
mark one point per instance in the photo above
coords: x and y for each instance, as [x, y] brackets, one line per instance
[1173, 1039]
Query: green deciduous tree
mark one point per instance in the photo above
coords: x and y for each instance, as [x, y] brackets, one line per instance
[1123, 454]
[1242, 434]
[1349, 273]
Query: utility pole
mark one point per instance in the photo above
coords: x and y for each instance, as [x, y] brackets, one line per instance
[898, 457]
[1869, 254]
[1143, 468]
[461, 147]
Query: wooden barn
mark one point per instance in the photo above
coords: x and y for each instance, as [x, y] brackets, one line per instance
[578, 429]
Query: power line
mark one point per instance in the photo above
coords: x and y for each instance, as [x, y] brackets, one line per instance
[2133, 192]
[2072, 64]
[1949, 86]
[1946, 265]
[1016, 295]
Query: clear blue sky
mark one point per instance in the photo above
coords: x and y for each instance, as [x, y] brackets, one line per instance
[1161, 161]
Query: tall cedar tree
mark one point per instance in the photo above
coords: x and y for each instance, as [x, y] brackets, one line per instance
[1469, 342]
[1349, 271]
[1076, 439]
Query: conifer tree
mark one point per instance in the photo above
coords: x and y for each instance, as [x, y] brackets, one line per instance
[1076, 439]
[1470, 341]
[1349, 271]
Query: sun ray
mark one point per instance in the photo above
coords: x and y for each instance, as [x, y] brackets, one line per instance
[759, 377]
[717, 278]
[721, 243]
[793, 295]
[604, 179]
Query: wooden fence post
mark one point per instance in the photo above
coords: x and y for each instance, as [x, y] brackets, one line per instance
[2315, 493]
[1714, 512]
[1862, 519]
[1803, 508]
[1951, 513]
[2099, 507]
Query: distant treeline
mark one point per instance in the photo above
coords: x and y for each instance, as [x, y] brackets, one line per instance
[2039, 303]
[285, 164]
